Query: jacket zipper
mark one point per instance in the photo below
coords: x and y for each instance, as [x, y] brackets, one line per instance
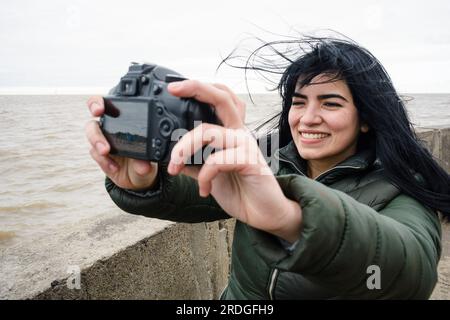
[277, 155]
[275, 272]
[338, 167]
[223, 291]
[273, 278]
[320, 175]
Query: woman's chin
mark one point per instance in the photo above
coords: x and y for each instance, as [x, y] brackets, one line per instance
[311, 155]
[308, 152]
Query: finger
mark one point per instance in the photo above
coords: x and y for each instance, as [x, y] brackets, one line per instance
[237, 101]
[221, 100]
[205, 134]
[108, 166]
[96, 138]
[222, 161]
[96, 106]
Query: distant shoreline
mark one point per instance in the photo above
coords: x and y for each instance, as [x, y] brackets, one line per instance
[104, 91]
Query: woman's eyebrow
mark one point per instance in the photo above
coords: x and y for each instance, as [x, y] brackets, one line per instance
[299, 95]
[321, 97]
[331, 95]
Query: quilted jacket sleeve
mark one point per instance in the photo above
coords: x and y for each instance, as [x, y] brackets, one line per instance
[343, 239]
[175, 199]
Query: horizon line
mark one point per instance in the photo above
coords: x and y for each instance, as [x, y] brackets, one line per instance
[104, 90]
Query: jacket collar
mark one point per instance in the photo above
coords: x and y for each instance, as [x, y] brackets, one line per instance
[359, 162]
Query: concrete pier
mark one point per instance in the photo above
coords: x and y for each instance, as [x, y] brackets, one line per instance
[122, 256]
[438, 142]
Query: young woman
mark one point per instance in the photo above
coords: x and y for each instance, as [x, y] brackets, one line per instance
[355, 192]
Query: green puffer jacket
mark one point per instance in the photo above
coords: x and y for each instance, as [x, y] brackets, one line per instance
[353, 218]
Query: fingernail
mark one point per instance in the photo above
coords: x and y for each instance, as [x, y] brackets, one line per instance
[175, 85]
[170, 168]
[203, 193]
[174, 160]
[94, 107]
[113, 167]
[100, 147]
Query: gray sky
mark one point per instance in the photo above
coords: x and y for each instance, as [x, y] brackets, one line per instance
[85, 46]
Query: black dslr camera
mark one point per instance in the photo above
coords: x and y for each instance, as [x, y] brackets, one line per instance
[142, 118]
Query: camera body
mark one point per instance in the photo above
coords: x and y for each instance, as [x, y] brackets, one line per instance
[142, 120]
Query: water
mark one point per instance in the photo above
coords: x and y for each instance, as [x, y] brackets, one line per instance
[48, 177]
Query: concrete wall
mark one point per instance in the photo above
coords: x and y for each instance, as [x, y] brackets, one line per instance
[184, 261]
[122, 256]
[438, 142]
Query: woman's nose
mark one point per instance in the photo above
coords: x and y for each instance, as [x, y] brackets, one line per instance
[311, 116]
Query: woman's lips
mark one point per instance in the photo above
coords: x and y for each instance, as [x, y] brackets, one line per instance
[312, 137]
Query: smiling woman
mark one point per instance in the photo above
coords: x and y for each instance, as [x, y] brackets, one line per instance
[354, 190]
[324, 123]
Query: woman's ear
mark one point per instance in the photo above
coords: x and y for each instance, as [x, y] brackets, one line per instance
[364, 128]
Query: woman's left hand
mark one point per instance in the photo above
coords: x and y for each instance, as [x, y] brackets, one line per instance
[237, 175]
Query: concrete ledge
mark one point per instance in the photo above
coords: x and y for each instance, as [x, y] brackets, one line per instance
[123, 256]
[438, 142]
[181, 262]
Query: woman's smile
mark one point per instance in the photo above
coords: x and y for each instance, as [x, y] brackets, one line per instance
[312, 137]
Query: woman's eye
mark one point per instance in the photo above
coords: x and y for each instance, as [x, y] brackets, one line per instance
[298, 103]
[332, 104]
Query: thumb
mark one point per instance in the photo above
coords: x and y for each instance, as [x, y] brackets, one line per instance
[142, 173]
[141, 167]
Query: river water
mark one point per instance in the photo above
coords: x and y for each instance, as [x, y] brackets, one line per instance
[48, 177]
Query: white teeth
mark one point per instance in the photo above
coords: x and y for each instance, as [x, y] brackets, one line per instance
[313, 135]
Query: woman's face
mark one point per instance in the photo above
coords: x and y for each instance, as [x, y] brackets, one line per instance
[324, 122]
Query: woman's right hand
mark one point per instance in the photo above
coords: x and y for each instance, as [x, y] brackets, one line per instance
[126, 173]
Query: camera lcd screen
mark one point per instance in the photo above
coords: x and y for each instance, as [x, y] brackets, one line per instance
[125, 126]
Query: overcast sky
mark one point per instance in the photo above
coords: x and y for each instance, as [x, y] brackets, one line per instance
[89, 44]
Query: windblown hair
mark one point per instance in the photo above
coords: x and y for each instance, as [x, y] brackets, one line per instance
[379, 106]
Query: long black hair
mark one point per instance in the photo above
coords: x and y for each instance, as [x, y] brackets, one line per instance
[379, 106]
